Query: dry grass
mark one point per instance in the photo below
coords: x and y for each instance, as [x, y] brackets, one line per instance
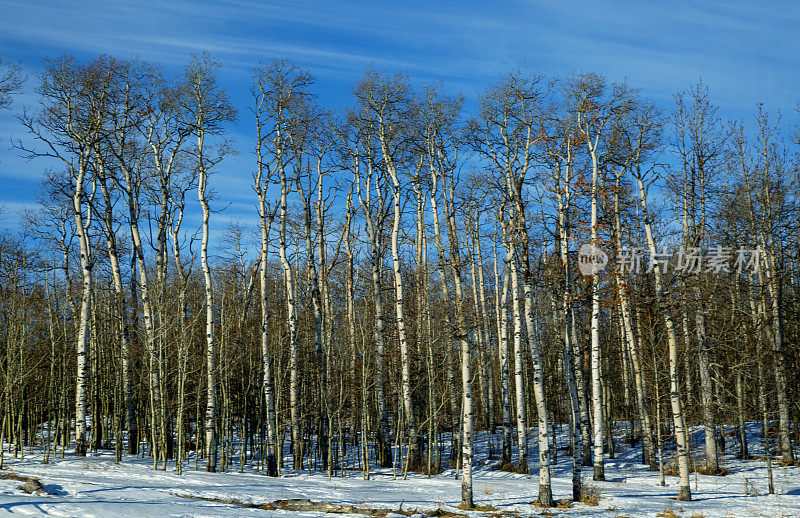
[304, 505]
[488, 490]
[590, 494]
[21, 478]
[510, 467]
[478, 507]
[435, 470]
[564, 503]
[444, 513]
[671, 469]
[776, 460]
[702, 468]
[668, 513]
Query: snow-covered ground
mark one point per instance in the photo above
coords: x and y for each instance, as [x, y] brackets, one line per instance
[96, 486]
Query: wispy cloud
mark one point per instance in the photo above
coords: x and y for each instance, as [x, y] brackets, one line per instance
[746, 51]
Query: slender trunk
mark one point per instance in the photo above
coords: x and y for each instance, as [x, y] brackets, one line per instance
[266, 364]
[211, 367]
[503, 353]
[597, 395]
[706, 396]
[123, 324]
[522, 423]
[775, 293]
[384, 449]
[684, 492]
[569, 364]
[82, 345]
[648, 451]
[460, 334]
[762, 404]
[454, 406]
[638, 380]
[316, 303]
[294, 388]
[740, 414]
[545, 489]
[415, 458]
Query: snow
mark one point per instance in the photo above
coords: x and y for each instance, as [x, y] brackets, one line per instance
[97, 486]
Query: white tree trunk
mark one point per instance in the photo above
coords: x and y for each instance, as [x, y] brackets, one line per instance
[569, 363]
[503, 353]
[519, 378]
[82, 345]
[545, 488]
[211, 363]
[648, 446]
[405, 360]
[291, 315]
[266, 222]
[706, 394]
[597, 398]
[684, 492]
[466, 443]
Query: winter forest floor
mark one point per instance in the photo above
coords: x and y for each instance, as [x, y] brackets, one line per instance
[97, 486]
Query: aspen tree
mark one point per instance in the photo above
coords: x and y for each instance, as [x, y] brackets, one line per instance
[503, 354]
[183, 267]
[389, 107]
[371, 189]
[648, 451]
[560, 149]
[69, 125]
[280, 91]
[767, 206]
[443, 113]
[506, 134]
[644, 137]
[260, 91]
[424, 338]
[208, 109]
[700, 142]
[595, 110]
[320, 142]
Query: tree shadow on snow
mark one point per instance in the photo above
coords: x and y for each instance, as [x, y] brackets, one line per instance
[54, 489]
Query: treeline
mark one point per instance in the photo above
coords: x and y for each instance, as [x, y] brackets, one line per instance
[417, 272]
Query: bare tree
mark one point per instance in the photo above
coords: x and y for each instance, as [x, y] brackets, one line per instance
[506, 133]
[69, 126]
[11, 81]
[207, 111]
[643, 138]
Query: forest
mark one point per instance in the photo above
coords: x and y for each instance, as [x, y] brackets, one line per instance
[560, 253]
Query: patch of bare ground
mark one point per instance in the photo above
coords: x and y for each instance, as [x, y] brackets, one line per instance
[511, 467]
[671, 469]
[305, 505]
[31, 485]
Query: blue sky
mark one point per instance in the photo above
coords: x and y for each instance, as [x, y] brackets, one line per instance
[745, 51]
